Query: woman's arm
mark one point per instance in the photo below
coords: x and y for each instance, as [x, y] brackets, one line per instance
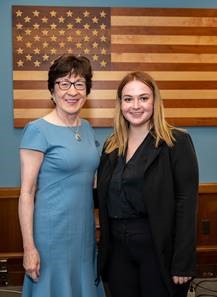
[185, 173]
[30, 164]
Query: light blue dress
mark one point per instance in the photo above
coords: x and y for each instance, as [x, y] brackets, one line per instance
[64, 226]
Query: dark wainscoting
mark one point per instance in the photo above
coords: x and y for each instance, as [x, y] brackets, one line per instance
[207, 231]
[11, 271]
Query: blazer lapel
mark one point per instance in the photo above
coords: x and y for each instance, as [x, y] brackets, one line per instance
[150, 152]
[107, 168]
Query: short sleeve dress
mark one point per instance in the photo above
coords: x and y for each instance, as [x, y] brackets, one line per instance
[64, 226]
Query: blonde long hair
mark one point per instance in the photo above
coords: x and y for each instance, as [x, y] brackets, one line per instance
[161, 130]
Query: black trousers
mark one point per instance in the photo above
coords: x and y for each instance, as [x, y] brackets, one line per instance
[133, 270]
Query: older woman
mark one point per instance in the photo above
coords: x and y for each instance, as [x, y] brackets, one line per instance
[58, 162]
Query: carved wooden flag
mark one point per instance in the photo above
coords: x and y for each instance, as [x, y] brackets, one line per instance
[178, 47]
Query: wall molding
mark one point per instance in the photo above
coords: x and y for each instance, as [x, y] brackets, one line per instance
[208, 188]
[13, 192]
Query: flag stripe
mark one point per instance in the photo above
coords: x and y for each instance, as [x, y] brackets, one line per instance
[110, 103]
[41, 76]
[44, 94]
[163, 66]
[40, 103]
[38, 112]
[150, 48]
[167, 58]
[163, 21]
[145, 30]
[178, 12]
[108, 112]
[108, 122]
[166, 39]
[96, 122]
[111, 94]
[188, 85]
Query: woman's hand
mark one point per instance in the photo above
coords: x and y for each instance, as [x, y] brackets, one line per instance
[180, 280]
[31, 263]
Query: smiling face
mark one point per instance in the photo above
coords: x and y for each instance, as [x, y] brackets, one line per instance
[71, 100]
[137, 103]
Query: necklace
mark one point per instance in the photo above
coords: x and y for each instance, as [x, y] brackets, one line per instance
[74, 129]
[76, 132]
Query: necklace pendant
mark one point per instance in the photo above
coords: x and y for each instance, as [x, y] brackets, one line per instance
[77, 136]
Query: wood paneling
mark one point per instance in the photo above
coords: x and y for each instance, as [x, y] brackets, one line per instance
[11, 243]
[207, 231]
[10, 236]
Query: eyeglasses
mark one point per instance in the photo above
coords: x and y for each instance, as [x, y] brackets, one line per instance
[66, 85]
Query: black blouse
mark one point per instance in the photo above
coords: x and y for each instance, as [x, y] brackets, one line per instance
[124, 204]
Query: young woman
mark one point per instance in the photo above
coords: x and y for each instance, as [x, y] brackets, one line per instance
[147, 191]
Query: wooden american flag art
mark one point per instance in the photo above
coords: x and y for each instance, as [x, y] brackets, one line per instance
[178, 47]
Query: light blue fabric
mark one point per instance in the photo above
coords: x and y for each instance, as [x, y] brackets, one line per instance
[64, 227]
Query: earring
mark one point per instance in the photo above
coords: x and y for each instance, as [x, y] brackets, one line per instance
[53, 99]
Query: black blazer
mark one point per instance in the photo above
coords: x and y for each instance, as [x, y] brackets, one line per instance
[170, 194]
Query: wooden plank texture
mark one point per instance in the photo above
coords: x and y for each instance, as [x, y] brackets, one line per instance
[177, 46]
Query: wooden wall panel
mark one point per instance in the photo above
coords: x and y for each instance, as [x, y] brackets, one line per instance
[207, 218]
[207, 231]
[11, 242]
[10, 238]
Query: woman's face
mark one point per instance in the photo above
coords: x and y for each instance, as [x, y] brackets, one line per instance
[137, 103]
[70, 93]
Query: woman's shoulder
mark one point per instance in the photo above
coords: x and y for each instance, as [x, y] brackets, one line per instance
[180, 134]
[40, 128]
[86, 124]
[182, 141]
[34, 136]
[35, 124]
